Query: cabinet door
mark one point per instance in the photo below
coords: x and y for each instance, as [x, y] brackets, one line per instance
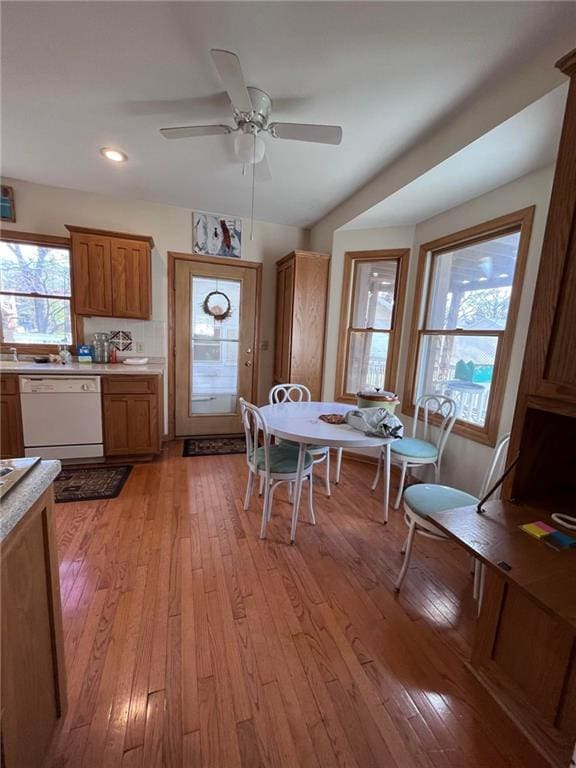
[284, 299]
[131, 425]
[91, 275]
[131, 283]
[11, 443]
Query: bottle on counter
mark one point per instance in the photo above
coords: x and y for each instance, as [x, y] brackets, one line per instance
[113, 357]
[64, 354]
[101, 344]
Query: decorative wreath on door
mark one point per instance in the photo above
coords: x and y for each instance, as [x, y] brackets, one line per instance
[220, 309]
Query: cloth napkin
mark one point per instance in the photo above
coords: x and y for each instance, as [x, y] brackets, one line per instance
[375, 422]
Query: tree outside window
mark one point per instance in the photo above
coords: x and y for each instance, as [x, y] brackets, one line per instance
[35, 294]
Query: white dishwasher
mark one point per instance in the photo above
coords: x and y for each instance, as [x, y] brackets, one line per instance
[61, 416]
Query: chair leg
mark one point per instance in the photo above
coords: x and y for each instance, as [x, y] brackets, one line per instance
[407, 556]
[261, 486]
[401, 486]
[290, 491]
[310, 500]
[265, 513]
[249, 489]
[338, 464]
[403, 549]
[328, 474]
[270, 499]
[375, 483]
[437, 472]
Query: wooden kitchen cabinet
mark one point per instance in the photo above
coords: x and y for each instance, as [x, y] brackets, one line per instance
[301, 301]
[111, 273]
[11, 438]
[132, 415]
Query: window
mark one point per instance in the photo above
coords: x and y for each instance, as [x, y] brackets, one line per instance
[372, 305]
[470, 285]
[35, 291]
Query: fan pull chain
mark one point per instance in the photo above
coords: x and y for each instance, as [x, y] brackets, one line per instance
[253, 185]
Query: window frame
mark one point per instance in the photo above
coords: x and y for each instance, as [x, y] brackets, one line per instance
[76, 322]
[400, 255]
[518, 221]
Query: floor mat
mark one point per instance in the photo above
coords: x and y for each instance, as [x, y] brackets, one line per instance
[90, 483]
[214, 445]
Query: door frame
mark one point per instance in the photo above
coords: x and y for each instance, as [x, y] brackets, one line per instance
[174, 256]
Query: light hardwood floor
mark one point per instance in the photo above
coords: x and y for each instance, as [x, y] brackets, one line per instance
[189, 642]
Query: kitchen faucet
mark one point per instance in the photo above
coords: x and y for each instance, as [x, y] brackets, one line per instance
[14, 353]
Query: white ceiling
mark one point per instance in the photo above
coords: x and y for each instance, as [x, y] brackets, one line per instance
[525, 142]
[81, 75]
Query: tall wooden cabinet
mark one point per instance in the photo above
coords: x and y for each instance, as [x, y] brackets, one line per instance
[111, 273]
[525, 650]
[301, 304]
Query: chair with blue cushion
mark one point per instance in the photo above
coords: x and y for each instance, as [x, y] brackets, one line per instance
[425, 498]
[274, 464]
[297, 393]
[437, 419]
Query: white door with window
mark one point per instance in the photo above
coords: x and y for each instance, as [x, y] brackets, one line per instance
[215, 341]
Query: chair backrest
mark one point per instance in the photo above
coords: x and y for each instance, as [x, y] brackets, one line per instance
[444, 408]
[289, 393]
[496, 466]
[254, 422]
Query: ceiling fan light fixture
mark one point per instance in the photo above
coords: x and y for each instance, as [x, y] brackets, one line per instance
[249, 147]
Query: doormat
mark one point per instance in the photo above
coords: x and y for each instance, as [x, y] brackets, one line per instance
[90, 483]
[214, 445]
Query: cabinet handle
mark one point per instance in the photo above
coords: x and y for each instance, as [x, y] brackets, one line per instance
[248, 363]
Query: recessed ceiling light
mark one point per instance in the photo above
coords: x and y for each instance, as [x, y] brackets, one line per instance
[114, 154]
[464, 282]
[482, 279]
[374, 274]
[503, 274]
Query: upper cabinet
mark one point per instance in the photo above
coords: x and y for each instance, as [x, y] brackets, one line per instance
[111, 273]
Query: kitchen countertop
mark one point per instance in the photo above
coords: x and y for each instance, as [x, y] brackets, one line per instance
[29, 366]
[16, 503]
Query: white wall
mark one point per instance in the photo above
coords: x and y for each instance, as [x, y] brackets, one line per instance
[464, 460]
[45, 210]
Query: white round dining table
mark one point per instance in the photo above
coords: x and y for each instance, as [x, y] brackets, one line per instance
[301, 423]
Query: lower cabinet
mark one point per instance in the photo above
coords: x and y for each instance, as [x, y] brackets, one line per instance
[33, 668]
[131, 407]
[11, 440]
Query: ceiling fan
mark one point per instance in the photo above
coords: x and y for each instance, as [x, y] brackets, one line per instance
[251, 113]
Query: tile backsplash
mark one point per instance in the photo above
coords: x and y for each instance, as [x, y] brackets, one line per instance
[131, 337]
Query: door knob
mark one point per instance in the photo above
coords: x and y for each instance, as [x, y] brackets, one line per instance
[248, 363]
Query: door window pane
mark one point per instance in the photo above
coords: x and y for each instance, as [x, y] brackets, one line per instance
[214, 346]
[374, 288]
[367, 359]
[471, 286]
[460, 367]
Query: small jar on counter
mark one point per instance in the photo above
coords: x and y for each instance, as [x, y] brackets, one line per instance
[101, 344]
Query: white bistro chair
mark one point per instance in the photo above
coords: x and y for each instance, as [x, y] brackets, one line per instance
[297, 393]
[423, 499]
[410, 452]
[274, 464]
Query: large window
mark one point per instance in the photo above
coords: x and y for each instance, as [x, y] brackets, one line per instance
[372, 304]
[469, 289]
[35, 292]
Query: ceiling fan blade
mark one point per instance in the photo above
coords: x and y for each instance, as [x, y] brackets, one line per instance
[190, 131]
[262, 170]
[321, 134]
[230, 71]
